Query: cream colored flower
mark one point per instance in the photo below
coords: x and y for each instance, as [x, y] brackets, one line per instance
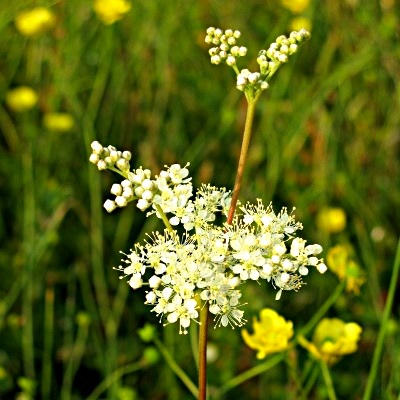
[58, 122]
[271, 334]
[21, 98]
[34, 22]
[333, 338]
[110, 11]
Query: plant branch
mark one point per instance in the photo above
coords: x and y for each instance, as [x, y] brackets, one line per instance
[251, 105]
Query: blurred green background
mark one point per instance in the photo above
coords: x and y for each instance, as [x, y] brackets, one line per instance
[327, 134]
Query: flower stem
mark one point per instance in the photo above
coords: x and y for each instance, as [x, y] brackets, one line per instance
[250, 373]
[384, 323]
[323, 309]
[203, 330]
[328, 380]
[176, 368]
[251, 105]
[164, 218]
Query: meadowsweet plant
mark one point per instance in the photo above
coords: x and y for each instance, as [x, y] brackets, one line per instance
[187, 276]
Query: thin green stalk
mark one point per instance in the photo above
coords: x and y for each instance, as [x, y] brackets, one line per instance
[168, 335]
[114, 377]
[203, 330]
[323, 309]
[312, 378]
[250, 373]
[164, 218]
[48, 338]
[169, 338]
[68, 339]
[75, 359]
[42, 244]
[384, 323]
[328, 380]
[294, 374]
[176, 368]
[28, 246]
[194, 344]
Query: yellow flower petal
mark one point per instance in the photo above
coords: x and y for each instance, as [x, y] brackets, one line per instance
[295, 6]
[58, 122]
[21, 98]
[110, 11]
[271, 334]
[35, 21]
[332, 339]
[331, 219]
[340, 263]
[298, 23]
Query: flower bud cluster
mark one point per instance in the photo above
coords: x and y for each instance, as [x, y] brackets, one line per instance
[170, 190]
[253, 79]
[226, 49]
[109, 157]
[279, 51]
[252, 83]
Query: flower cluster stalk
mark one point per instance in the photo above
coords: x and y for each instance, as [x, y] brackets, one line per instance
[251, 105]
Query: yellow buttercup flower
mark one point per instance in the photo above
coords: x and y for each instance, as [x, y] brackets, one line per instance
[22, 98]
[58, 122]
[340, 262]
[295, 6]
[331, 219]
[333, 338]
[271, 334]
[298, 23]
[110, 11]
[35, 21]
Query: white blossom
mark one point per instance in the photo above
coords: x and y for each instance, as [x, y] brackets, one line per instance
[209, 262]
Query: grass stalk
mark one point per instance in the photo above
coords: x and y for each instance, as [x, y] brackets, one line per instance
[48, 339]
[384, 324]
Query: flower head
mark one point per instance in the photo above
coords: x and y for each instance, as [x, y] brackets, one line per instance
[34, 22]
[22, 98]
[331, 220]
[227, 51]
[208, 263]
[300, 22]
[170, 190]
[58, 122]
[295, 6]
[340, 262]
[110, 11]
[272, 333]
[333, 338]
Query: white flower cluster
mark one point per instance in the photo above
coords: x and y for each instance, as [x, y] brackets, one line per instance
[226, 49]
[211, 262]
[171, 189]
[253, 79]
[279, 51]
[109, 157]
[269, 60]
